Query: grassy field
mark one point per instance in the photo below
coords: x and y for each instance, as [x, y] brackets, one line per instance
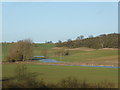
[82, 55]
[85, 55]
[53, 74]
[36, 49]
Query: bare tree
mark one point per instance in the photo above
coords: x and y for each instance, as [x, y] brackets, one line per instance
[59, 41]
[90, 36]
[81, 36]
[21, 50]
[78, 38]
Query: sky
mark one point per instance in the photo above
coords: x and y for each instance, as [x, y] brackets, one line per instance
[44, 21]
[0, 22]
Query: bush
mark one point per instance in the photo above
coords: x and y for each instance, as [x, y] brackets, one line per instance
[62, 52]
[64, 83]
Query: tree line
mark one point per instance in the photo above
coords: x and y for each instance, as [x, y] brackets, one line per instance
[101, 41]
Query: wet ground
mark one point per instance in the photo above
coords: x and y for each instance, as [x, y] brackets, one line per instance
[55, 61]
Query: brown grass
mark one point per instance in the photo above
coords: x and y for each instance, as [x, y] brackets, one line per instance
[83, 48]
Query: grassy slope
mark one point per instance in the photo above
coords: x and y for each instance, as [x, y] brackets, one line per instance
[101, 56]
[39, 47]
[90, 55]
[5, 48]
[55, 73]
[79, 55]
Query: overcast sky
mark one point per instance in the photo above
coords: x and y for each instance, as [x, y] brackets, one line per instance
[43, 21]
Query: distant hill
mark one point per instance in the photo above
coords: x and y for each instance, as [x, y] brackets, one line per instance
[101, 41]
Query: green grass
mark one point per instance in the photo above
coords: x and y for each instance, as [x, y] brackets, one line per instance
[53, 74]
[99, 56]
[36, 49]
[89, 55]
[39, 47]
[5, 48]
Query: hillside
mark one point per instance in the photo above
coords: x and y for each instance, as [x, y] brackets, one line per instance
[101, 41]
